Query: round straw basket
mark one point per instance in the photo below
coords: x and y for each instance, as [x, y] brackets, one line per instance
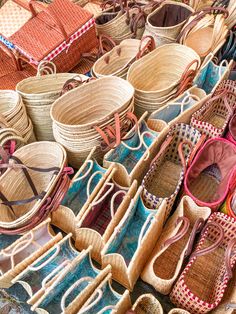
[147, 303]
[38, 94]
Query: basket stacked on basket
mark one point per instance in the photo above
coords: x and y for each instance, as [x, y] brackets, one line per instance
[38, 95]
[14, 122]
[162, 75]
[82, 116]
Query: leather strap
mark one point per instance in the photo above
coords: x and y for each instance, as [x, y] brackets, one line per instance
[228, 256]
[197, 227]
[181, 233]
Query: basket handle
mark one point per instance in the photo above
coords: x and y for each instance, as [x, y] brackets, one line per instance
[198, 226]
[165, 144]
[55, 254]
[228, 255]
[187, 77]
[13, 57]
[215, 245]
[196, 148]
[181, 233]
[199, 15]
[181, 154]
[33, 4]
[150, 46]
[94, 302]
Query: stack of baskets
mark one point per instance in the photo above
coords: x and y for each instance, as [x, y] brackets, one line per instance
[77, 115]
[14, 122]
[162, 75]
[38, 94]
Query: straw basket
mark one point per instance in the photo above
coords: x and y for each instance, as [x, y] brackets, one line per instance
[147, 303]
[27, 198]
[13, 111]
[205, 32]
[16, 257]
[38, 94]
[104, 99]
[161, 75]
[201, 288]
[166, 22]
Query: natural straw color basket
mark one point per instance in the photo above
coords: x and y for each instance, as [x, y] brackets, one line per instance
[166, 22]
[75, 129]
[161, 75]
[13, 112]
[42, 236]
[147, 303]
[38, 94]
[14, 187]
[178, 311]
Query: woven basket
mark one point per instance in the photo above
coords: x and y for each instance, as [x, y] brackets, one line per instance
[76, 130]
[41, 155]
[24, 255]
[211, 175]
[213, 118]
[147, 303]
[205, 32]
[167, 259]
[13, 111]
[102, 216]
[162, 74]
[166, 22]
[132, 242]
[166, 173]
[178, 311]
[38, 94]
[201, 288]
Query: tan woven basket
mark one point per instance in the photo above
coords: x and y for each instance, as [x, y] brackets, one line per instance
[16, 187]
[147, 303]
[96, 229]
[164, 30]
[38, 94]
[162, 75]
[35, 243]
[127, 273]
[76, 130]
[13, 112]
[164, 265]
[178, 311]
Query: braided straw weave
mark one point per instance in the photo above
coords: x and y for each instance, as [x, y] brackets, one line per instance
[161, 74]
[75, 129]
[42, 235]
[147, 304]
[38, 94]
[201, 288]
[16, 187]
[164, 30]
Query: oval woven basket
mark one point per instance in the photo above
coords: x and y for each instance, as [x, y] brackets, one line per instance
[14, 187]
[38, 94]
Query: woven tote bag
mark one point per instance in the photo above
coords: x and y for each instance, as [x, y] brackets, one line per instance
[165, 23]
[61, 33]
[132, 155]
[105, 298]
[147, 303]
[102, 216]
[212, 173]
[204, 31]
[57, 257]
[200, 289]
[84, 186]
[25, 250]
[77, 279]
[133, 240]
[175, 245]
[39, 93]
[167, 170]
[39, 187]
[213, 118]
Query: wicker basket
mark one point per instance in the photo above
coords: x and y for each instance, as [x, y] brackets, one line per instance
[165, 23]
[148, 304]
[16, 257]
[76, 130]
[201, 288]
[174, 245]
[26, 197]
